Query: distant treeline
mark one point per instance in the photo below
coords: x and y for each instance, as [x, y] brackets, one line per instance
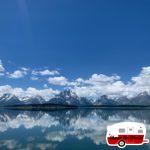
[63, 106]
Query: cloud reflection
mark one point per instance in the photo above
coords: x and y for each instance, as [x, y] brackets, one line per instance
[56, 126]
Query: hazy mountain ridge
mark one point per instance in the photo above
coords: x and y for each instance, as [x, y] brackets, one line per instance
[68, 97]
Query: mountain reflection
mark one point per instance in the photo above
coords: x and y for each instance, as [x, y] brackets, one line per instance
[57, 126]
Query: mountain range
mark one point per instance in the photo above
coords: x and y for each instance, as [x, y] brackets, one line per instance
[68, 97]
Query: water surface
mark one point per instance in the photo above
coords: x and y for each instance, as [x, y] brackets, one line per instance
[64, 130]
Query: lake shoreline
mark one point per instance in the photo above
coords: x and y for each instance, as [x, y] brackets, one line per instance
[40, 107]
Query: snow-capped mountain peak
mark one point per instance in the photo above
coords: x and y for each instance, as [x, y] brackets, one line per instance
[67, 94]
[143, 94]
[69, 97]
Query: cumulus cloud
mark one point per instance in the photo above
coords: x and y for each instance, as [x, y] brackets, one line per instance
[25, 69]
[58, 80]
[93, 87]
[101, 78]
[17, 74]
[47, 93]
[144, 77]
[45, 72]
[95, 91]
[5, 89]
[34, 78]
[112, 86]
[140, 83]
[97, 79]
[98, 85]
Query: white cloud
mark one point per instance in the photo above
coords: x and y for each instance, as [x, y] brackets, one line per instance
[93, 87]
[45, 93]
[58, 80]
[34, 78]
[144, 77]
[101, 78]
[98, 85]
[139, 83]
[5, 89]
[98, 79]
[17, 74]
[45, 86]
[2, 69]
[79, 80]
[28, 93]
[45, 72]
[25, 69]
[48, 72]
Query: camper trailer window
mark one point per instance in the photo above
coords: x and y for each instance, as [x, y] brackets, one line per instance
[140, 131]
[121, 130]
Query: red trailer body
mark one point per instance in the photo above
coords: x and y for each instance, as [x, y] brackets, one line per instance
[126, 133]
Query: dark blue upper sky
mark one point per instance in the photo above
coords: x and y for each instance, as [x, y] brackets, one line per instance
[80, 37]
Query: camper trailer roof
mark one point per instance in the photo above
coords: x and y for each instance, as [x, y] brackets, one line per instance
[124, 124]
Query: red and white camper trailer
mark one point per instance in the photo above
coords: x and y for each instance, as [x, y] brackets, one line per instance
[126, 133]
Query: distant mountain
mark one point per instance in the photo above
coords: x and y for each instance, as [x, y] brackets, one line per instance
[34, 100]
[104, 100]
[141, 99]
[68, 97]
[10, 99]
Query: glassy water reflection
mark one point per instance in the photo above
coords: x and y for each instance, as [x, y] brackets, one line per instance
[64, 130]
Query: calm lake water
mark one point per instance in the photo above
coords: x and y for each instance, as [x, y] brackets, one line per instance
[81, 129]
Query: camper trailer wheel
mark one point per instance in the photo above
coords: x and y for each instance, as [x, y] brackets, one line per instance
[121, 144]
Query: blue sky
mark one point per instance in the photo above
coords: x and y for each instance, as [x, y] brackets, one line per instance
[77, 38]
